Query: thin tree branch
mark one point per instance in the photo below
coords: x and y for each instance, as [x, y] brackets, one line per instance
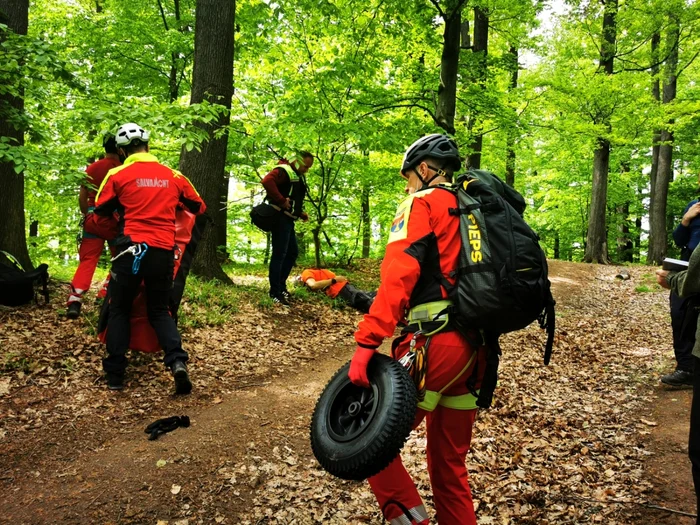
[144, 64]
[689, 62]
[437, 6]
[162, 14]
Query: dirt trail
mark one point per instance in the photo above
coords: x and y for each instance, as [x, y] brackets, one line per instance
[73, 452]
[119, 480]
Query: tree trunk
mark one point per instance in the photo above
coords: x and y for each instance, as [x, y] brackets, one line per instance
[366, 223]
[658, 242]
[510, 141]
[212, 80]
[301, 244]
[317, 246]
[481, 41]
[14, 14]
[222, 218]
[449, 65]
[557, 247]
[596, 240]
[656, 138]
[624, 243]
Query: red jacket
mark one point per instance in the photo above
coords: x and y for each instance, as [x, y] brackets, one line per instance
[96, 172]
[424, 245]
[147, 195]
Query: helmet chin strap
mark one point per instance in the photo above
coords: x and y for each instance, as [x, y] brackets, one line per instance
[426, 183]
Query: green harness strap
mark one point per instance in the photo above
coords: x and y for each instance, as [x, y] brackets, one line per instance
[429, 313]
[462, 402]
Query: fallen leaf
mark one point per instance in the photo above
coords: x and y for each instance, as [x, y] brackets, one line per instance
[175, 489]
[4, 386]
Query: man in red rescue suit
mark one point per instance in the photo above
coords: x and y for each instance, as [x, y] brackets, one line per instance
[96, 229]
[420, 262]
[146, 193]
[286, 189]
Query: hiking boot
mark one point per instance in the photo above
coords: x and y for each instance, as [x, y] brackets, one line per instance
[678, 378]
[73, 311]
[183, 385]
[287, 296]
[115, 381]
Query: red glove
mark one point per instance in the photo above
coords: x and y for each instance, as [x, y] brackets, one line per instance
[358, 366]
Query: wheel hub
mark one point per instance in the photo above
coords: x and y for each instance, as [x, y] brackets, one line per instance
[352, 411]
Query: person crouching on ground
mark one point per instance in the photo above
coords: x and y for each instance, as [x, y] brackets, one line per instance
[421, 260]
[147, 193]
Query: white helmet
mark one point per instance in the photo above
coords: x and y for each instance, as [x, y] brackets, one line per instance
[127, 133]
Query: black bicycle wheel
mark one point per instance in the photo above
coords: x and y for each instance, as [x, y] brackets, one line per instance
[356, 432]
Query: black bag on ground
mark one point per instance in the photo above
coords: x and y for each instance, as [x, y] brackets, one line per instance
[265, 216]
[16, 285]
[503, 282]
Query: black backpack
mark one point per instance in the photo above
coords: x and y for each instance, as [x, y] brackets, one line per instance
[16, 285]
[502, 283]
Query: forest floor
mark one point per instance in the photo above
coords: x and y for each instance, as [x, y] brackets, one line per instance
[592, 438]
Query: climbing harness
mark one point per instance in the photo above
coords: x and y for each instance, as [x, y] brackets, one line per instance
[426, 316]
[429, 315]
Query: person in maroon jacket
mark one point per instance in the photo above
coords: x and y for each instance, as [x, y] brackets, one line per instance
[96, 230]
[417, 277]
[146, 193]
[286, 189]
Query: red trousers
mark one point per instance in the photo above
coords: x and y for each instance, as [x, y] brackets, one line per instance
[96, 230]
[449, 434]
[90, 250]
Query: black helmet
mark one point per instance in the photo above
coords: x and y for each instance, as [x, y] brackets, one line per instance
[437, 146]
[109, 143]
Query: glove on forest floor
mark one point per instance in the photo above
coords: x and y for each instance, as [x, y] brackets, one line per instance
[167, 424]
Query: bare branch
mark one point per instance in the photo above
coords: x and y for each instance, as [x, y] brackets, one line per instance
[162, 14]
[437, 6]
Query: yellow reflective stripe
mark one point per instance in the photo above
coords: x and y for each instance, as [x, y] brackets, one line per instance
[136, 157]
[290, 171]
[104, 181]
[177, 174]
[140, 157]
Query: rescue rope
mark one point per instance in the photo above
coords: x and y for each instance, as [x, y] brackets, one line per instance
[138, 251]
